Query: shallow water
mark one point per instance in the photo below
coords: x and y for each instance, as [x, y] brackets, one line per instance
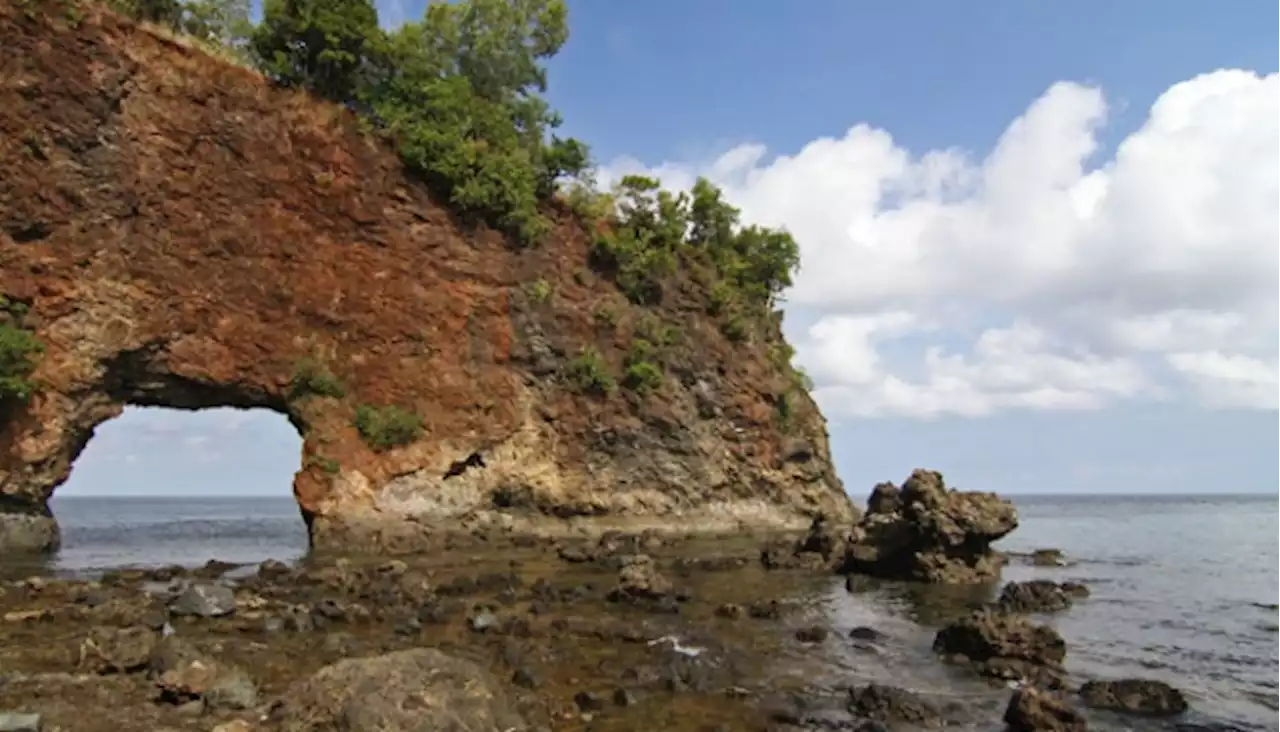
[1183, 590]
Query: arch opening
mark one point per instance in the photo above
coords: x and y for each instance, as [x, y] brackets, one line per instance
[163, 485]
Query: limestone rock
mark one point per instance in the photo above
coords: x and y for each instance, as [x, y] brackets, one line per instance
[1134, 696]
[890, 704]
[927, 532]
[405, 691]
[1033, 710]
[117, 650]
[639, 579]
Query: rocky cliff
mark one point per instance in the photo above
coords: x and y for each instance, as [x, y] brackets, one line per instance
[175, 232]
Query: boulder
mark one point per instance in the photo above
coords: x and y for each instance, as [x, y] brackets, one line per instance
[183, 674]
[1004, 646]
[1048, 558]
[889, 704]
[1134, 696]
[639, 579]
[117, 650]
[1033, 710]
[204, 600]
[927, 532]
[405, 691]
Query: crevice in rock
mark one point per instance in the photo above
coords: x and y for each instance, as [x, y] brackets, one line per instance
[458, 467]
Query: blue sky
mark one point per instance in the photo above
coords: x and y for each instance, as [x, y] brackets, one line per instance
[1016, 269]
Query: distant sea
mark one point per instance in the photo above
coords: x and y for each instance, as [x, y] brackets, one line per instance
[1184, 588]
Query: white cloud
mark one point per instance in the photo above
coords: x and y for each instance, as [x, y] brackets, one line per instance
[1047, 280]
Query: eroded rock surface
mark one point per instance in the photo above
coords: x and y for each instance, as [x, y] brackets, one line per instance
[925, 531]
[1134, 696]
[1039, 596]
[178, 233]
[404, 691]
[1004, 646]
[1033, 710]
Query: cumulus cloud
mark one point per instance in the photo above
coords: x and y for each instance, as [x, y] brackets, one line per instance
[1038, 276]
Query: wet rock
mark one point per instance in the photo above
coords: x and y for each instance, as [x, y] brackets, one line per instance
[1134, 696]
[339, 644]
[765, 610]
[1048, 558]
[731, 611]
[812, 634]
[20, 722]
[1035, 596]
[927, 532]
[863, 633]
[213, 569]
[890, 704]
[826, 539]
[273, 569]
[588, 701]
[1033, 710]
[484, 621]
[1075, 590]
[204, 600]
[784, 554]
[624, 698]
[405, 691]
[183, 674]
[117, 650]
[639, 579]
[525, 679]
[1003, 646]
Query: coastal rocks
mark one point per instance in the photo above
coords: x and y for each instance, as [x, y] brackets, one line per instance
[639, 579]
[1004, 646]
[204, 600]
[889, 704]
[117, 650]
[1033, 710]
[1039, 596]
[1134, 696]
[183, 675]
[926, 532]
[28, 531]
[404, 691]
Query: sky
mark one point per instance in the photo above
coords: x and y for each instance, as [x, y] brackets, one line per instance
[1039, 240]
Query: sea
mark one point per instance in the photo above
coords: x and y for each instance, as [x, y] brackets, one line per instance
[1184, 588]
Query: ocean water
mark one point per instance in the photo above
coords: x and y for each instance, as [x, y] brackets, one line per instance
[1184, 588]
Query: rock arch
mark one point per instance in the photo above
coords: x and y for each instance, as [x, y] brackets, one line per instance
[184, 235]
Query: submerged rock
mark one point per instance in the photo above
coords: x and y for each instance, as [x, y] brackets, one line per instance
[1134, 696]
[405, 691]
[639, 579]
[1004, 646]
[927, 532]
[1033, 710]
[1039, 596]
[1048, 558]
[890, 704]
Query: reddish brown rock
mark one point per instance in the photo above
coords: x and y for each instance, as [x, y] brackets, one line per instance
[183, 235]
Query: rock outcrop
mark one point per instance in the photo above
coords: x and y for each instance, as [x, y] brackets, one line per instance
[1033, 710]
[1039, 596]
[178, 233]
[1134, 696]
[927, 532]
[1004, 646]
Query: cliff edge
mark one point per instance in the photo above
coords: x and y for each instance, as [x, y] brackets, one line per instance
[177, 232]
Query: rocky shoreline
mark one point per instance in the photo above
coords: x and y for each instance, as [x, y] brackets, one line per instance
[620, 632]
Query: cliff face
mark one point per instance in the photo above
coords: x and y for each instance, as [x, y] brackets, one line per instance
[180, 234]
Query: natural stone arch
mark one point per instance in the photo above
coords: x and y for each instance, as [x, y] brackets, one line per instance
[181, 233]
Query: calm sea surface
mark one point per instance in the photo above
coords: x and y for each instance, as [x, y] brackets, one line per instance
[1184, 588]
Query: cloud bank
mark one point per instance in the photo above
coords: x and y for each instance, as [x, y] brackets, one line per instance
[1038, 277]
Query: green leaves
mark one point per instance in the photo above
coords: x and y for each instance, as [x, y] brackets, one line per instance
[321, 45]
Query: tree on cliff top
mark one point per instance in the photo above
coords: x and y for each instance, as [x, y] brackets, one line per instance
[320, 45]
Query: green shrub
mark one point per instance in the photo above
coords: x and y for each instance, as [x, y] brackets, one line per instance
[20, 352]
[642, 371]
[327, 465]
[736, 328]
[320, 45]
[784, 409]
[310, 377]
[605, 316]
[589, 373]
[539, 291]
[385, 427]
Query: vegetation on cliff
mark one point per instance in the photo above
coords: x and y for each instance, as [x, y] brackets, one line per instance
[19, 352]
